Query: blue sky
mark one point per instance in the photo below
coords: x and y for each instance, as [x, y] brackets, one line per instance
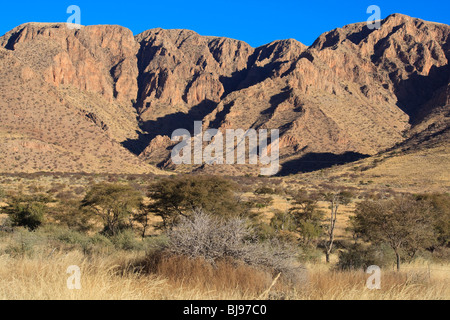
[256, 22]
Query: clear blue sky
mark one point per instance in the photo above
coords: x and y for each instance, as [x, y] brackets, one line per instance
[255, 21]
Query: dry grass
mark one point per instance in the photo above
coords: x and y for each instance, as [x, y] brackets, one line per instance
[104, 277]
[418, 171]
[408, 285]
[197, 273]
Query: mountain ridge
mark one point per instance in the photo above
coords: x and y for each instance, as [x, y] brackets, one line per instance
[354, 90]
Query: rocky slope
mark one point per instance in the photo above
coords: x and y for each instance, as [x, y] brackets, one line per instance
[354, 92]
[65, 99]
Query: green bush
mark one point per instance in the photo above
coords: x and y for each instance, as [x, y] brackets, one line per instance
[23, 243]
[126, 240]
[70, 214]
[72, 237]
[27, 210]
[440, 210]
[359, 256]
[155, 243]
[113, 204]
[310, 254]
[179, 196]
[100, 240]
[29, 215]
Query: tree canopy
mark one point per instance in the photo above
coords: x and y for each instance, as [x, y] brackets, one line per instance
[179, 196]
[114, 203]
[405, 224]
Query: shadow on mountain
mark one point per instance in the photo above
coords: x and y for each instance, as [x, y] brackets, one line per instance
[267, 114]
[417, 90]
[12, 40]
[381, 46]
[257, 74]
[166, 125]
[249, 76]
[220, 116]
[276, 100]
[317, 161]
[231, 84]
[358, 37]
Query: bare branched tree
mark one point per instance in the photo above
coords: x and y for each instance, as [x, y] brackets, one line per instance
[335, 200]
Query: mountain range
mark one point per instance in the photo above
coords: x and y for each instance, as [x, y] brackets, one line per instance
[101, 100]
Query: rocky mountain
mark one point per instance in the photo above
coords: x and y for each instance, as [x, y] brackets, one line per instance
[99, 99]
[65, 99]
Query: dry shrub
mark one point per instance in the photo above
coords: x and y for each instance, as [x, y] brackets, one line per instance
[211, 253]
[198, 273]
[213, 239]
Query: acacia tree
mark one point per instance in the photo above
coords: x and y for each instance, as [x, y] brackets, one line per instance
[27, 211]
[335, 200]
[113, 204]
[142, 216]
[179, 196]
[405, 224]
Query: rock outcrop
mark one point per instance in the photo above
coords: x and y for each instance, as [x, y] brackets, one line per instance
[97, 59]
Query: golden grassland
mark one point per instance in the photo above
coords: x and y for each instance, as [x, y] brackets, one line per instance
[419, 171]
[111, 277]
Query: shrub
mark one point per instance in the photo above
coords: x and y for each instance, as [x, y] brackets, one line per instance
[214, 239]
[126, 240]
[23, 243]
[72, 237]
[100, 240]
[440, 210]
[29, 215]
[283, 221]
[361, 257]
[27, 211]
[307, 218]
[70, 214]
[265, 190]
[311, 254]
[156, 242]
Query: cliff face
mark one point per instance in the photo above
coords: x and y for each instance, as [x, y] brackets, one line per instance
[180, 69]
[97, 59]
[355, 90]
